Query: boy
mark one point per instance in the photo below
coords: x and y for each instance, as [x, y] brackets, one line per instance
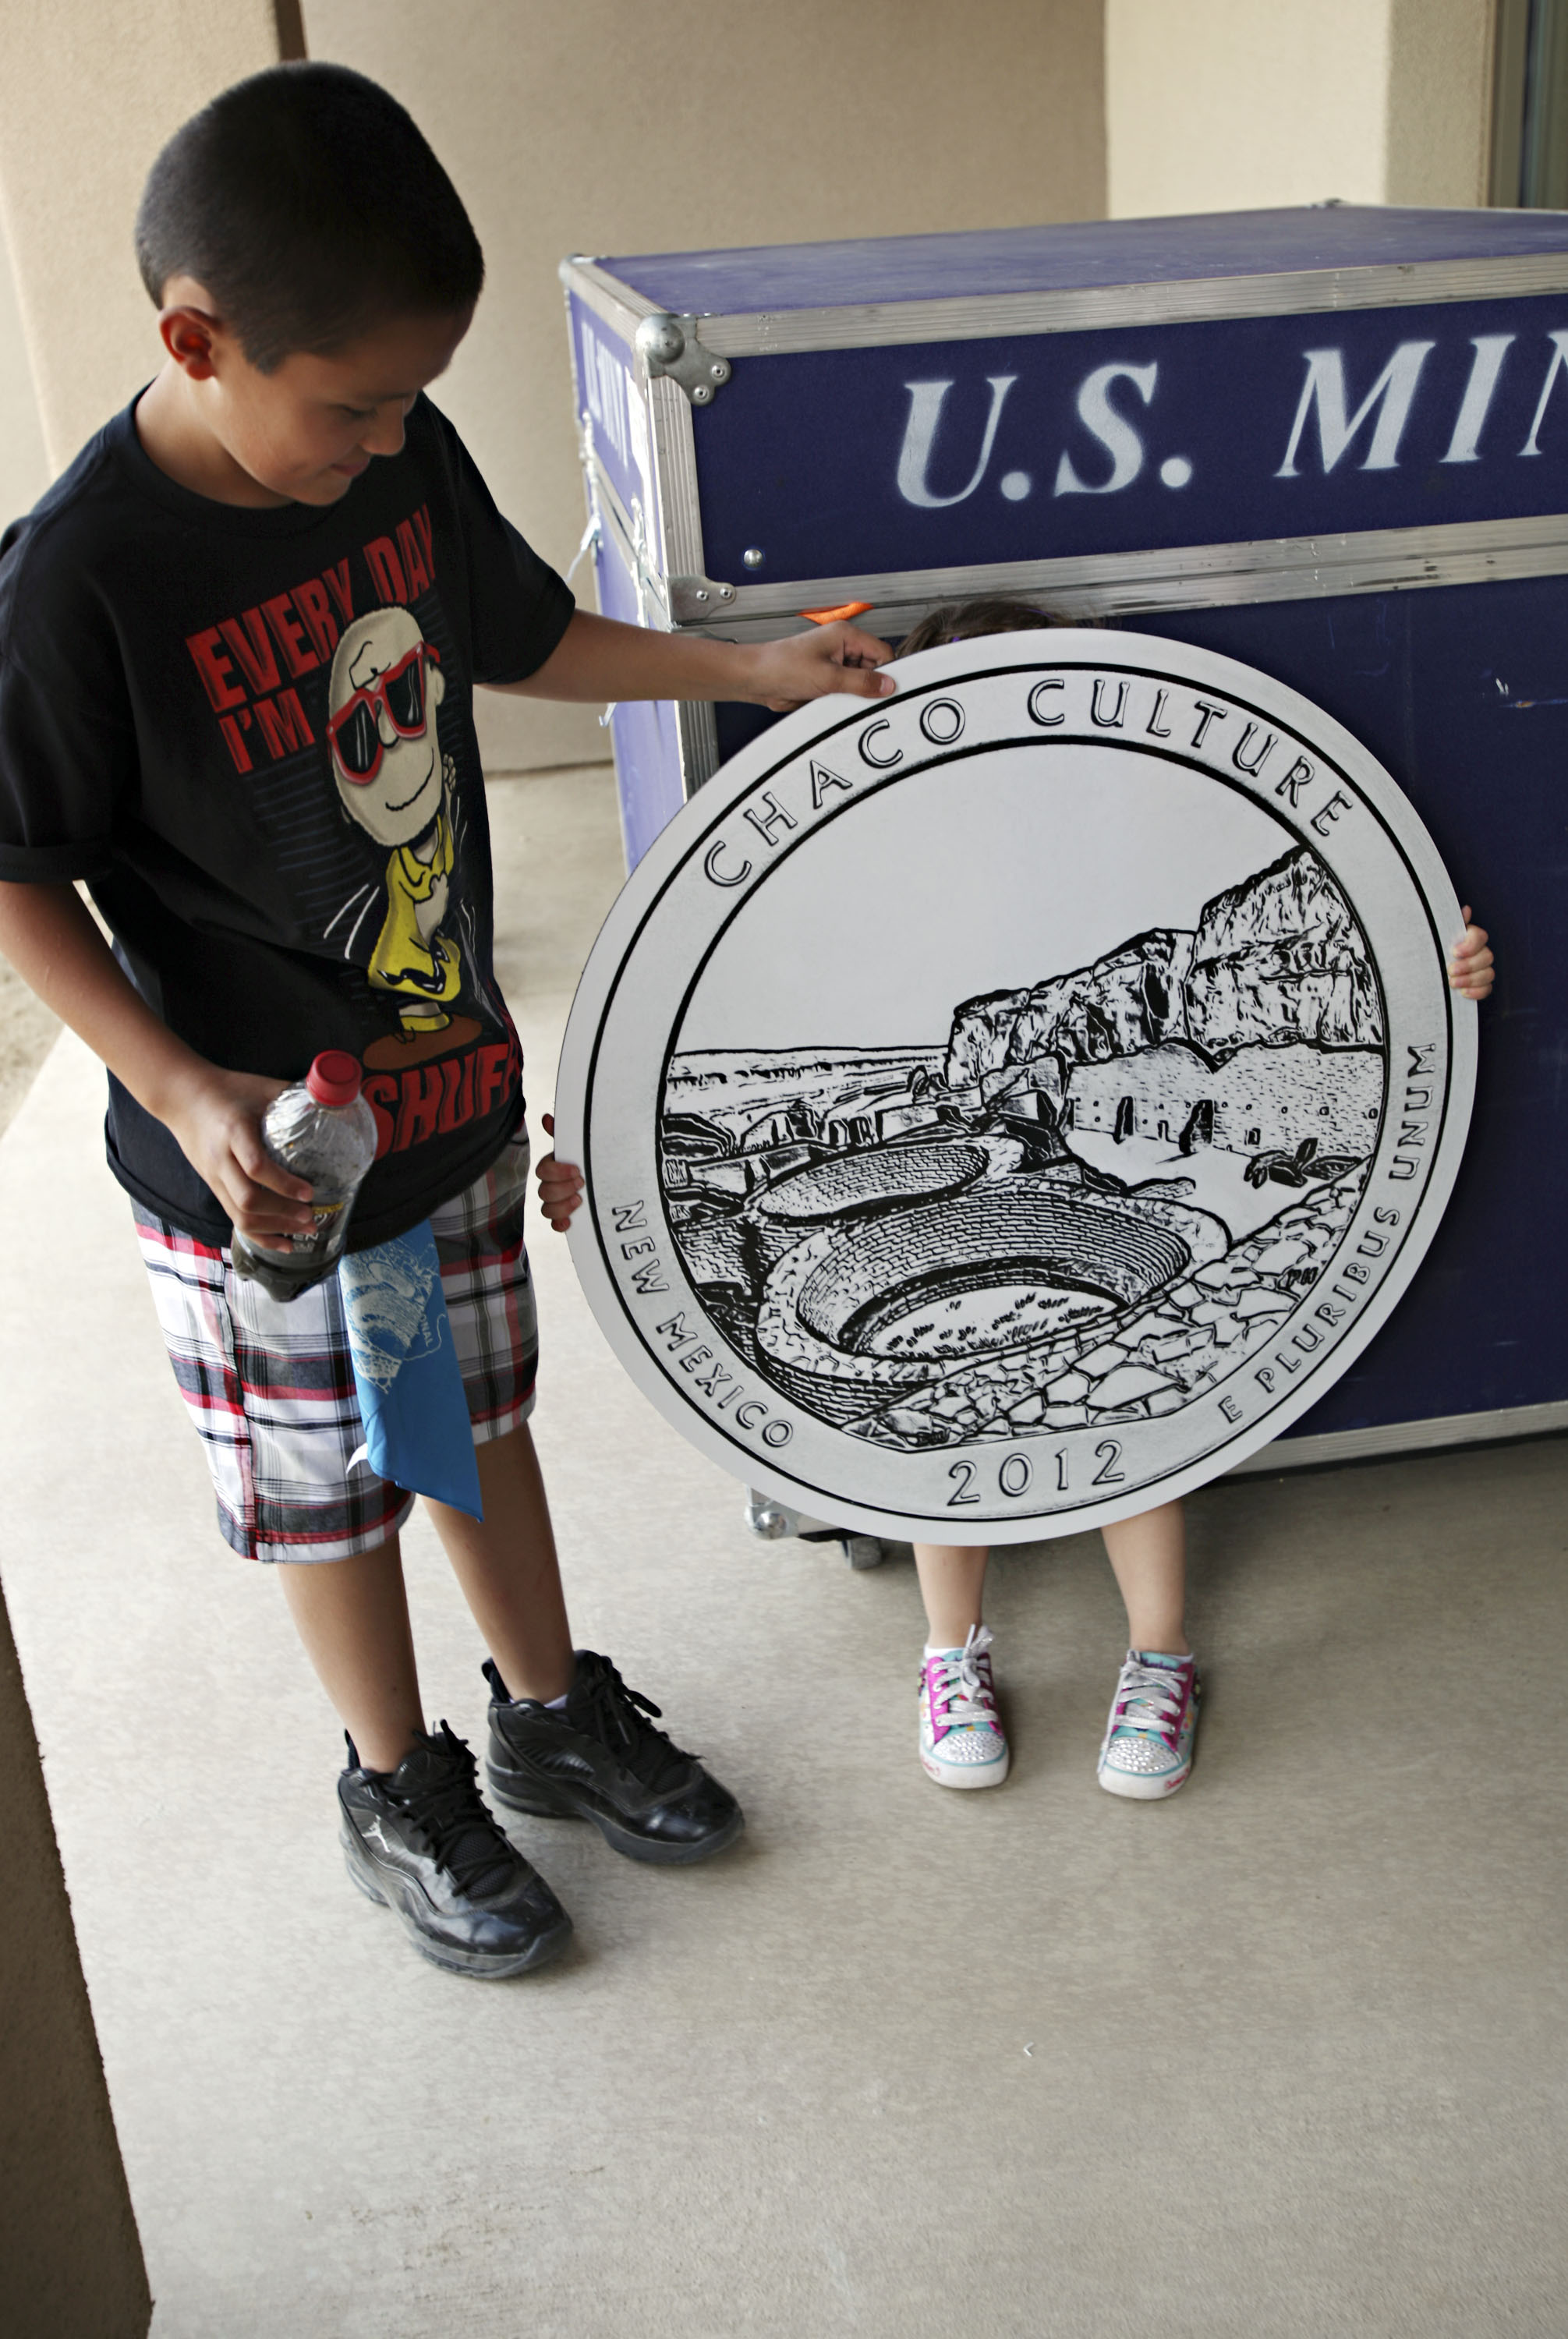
[238, 644]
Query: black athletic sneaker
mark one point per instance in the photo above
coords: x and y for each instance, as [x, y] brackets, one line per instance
[420, 1840]
[598, 1758]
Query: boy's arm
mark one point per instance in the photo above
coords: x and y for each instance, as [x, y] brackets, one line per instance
[596, 658]
[49, 936]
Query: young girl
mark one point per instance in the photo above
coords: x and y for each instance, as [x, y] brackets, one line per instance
[1146, 1749]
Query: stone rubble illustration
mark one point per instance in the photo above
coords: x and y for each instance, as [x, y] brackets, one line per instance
[1094, 1199]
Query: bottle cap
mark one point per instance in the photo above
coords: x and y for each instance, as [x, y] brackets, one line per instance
[334, 1077]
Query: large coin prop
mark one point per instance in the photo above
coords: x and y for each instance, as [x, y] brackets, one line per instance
[1006, 1105]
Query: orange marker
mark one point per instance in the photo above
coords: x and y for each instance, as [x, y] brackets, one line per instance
[831, 617]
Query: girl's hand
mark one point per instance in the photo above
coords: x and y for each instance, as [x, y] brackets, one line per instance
[1470, 969]
[560, 1185]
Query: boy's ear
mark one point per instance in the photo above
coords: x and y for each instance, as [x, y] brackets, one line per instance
[188, 334]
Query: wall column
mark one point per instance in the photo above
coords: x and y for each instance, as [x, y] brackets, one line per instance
[70, 2259]
[1241, 104]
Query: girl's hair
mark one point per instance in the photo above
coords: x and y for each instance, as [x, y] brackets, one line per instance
[966, 621]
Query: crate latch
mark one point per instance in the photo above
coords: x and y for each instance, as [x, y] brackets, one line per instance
[669, 345]
[693, 598]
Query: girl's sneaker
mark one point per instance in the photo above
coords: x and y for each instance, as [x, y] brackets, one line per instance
[1148, 1748]
[962, 1740]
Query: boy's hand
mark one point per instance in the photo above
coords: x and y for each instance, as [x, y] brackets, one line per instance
[599, 658]
[786, 674]
[1470, 969]
[216, 1118]
[49, 935]
[560, 1185]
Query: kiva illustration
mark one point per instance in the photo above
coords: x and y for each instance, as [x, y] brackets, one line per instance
[392, 779]
[1088, 1206]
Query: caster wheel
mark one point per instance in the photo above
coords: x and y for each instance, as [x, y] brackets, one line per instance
[766, 1519]
[863, 1551]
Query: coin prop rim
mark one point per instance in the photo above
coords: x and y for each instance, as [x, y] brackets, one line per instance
[633, 930]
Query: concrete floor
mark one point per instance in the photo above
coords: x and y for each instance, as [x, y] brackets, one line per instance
[27, 1032]
[1282, 2056]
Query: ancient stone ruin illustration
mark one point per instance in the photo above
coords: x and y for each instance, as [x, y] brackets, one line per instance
[1094, 1199]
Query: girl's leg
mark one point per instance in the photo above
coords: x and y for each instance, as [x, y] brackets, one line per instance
[951, 1578]
[353, 1616]
[1149, 1556]
[961, 1741]
[1147, 1750]
[508, 1572]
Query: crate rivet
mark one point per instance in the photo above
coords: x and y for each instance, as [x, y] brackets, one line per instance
[755, 557]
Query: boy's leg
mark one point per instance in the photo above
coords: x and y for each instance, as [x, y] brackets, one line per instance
[567, 1739]
[961, 1739]
[508, 1572]
[1147, 1750]
[1149, 1557]
[415, 1831]
[353, 1616]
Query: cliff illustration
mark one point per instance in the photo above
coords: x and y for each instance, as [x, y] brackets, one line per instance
[1275, 962]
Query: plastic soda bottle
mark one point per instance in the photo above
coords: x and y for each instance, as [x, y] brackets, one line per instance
[324, 1131]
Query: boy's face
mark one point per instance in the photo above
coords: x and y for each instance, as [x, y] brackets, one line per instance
[304, 433]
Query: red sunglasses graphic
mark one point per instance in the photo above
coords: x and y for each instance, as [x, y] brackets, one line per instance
[355, 731]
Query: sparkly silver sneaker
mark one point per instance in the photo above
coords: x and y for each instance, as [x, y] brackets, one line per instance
[962, 1740]
[1148, 1748]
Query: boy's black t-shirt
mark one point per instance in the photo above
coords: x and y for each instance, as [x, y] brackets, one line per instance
[251, 732]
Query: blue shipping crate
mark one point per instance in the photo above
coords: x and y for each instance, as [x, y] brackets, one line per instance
[1333, 442]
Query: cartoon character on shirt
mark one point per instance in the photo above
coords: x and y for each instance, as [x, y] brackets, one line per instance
[392, 779]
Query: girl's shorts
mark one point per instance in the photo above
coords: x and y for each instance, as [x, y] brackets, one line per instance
[271, 1387]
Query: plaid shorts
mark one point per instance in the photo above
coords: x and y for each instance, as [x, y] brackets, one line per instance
[271, 1387]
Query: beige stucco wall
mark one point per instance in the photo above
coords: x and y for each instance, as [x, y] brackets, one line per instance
[647, 125]
[1225, 104]
[88, 93]
[24, 464]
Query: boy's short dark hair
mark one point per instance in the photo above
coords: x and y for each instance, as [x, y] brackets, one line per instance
[966, 621]
[311, 209]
